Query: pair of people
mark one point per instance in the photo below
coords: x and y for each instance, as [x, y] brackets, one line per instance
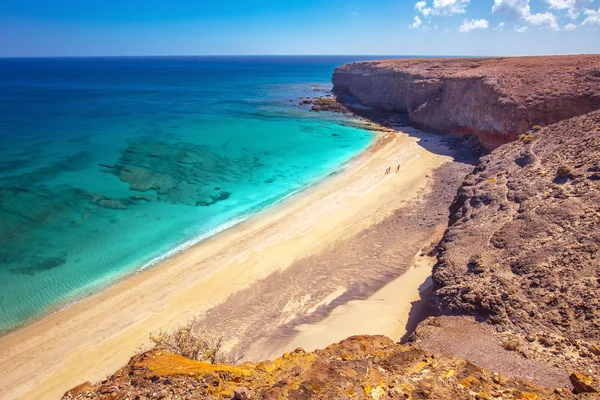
[389, 169]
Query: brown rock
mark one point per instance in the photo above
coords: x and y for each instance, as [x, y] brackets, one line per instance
[81, 389]
[240, 394]
[525, 226]
[582, 383]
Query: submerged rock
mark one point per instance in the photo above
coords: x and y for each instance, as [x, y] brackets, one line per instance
[183, 172]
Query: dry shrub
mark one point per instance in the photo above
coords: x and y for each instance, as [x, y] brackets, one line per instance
[563, 172]
[526, 138]
[511, 345]
[194, 343]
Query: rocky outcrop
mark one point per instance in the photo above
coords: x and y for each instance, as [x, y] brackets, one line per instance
[522, 251]
[495, 99]
[362, 367]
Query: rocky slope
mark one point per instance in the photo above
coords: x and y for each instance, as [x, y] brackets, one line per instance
[495, 99]
[359, 367]
[522, 251]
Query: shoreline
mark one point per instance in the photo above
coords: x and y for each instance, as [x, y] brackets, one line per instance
[99, 287]
[98, 334]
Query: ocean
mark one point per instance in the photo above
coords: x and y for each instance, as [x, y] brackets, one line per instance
[108, 165]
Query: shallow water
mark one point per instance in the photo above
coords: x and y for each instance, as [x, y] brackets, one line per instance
[109, 164]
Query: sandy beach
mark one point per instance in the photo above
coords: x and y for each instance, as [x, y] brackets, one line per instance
[321, 261]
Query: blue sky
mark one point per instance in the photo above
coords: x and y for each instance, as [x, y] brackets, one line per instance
[383, 27]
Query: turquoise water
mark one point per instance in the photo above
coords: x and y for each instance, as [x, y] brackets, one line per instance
[109, 164]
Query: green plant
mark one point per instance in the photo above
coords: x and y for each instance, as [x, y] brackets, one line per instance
[536, 128]
[193, 343]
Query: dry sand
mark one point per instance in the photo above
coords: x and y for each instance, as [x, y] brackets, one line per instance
[383, 313]
[96, 336]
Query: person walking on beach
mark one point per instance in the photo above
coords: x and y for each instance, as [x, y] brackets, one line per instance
[398, 169]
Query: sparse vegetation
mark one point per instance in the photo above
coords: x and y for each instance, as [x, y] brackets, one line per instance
[563, 172]
[194, 343]
[526, 138]
[511, 345]
[536, 128]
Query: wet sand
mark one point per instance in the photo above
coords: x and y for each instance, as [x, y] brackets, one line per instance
[292, 266]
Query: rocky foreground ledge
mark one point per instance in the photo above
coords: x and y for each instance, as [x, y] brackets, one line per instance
[495, 99]
[360, 367]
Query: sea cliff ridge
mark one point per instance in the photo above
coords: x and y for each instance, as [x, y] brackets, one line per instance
[495, 99]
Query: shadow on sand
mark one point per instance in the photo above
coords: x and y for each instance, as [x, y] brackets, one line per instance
[419, 309]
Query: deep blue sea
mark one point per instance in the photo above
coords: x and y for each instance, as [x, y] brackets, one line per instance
[110, 164]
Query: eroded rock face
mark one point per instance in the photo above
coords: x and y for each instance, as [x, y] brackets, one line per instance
[495, 99]
[522, 251]
[361, 367]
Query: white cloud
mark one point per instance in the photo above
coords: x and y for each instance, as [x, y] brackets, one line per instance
[546, 19]
[574, 7]
[520, 29]
[417, 23]
[442, 7]
[449, 7]
[514, 8]
[570, 27]
[469, 25]
[500, 26]
[592, 17]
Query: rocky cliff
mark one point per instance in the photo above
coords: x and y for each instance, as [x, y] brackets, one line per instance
[522, 251]
[495, 99]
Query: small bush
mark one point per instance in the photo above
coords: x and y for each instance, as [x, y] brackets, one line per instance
[511, 345]
[536, 128]
[563, 172]
[526, 138]
[193, 343]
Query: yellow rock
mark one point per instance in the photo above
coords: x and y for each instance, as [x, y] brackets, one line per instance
[582, 383]
[377, 393]
[450, 374]
[530, 396]
[469, 382]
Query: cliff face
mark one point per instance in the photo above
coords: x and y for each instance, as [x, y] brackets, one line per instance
[523, 247]
[494, 99]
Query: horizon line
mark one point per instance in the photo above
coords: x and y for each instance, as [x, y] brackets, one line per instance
[290, 56]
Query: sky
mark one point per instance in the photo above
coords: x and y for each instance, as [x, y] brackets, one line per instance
[30, 28]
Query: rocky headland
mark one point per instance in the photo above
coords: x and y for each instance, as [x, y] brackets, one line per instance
[517, 282]
[495, 99]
